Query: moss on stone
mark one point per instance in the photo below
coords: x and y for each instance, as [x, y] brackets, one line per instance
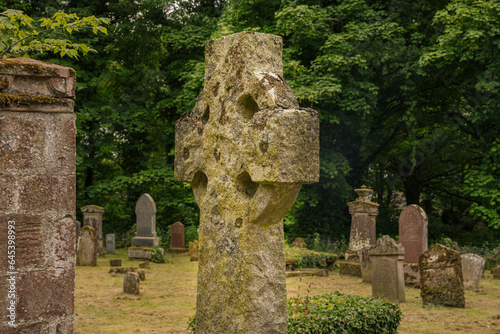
[28, 99]
[4, 83]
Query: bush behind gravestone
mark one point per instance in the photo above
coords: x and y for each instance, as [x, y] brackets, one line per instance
[305, 258]
[341, 313]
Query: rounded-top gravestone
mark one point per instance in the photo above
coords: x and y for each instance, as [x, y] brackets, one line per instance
[413, 232]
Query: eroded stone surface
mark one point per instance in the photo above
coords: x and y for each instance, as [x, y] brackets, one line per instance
[386, 259]
[131, 283]
[363, 213]
[246, 148]
[472, 269]
[87, 247]
[37, 192]
[441, 280]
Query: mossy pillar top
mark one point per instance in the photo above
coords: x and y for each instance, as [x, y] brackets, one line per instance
[37, 197]
[246, 148]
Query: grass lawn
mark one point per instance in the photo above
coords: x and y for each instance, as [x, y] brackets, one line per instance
[168, 298]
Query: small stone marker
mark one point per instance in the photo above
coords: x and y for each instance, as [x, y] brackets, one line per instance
[496, 272]
[37, 196]
[177, 235]
[142, 275]
[441, 280]
[92, 216]
[299, 243]
[144, 265]
[386, 259]
[110, 244]
[193, 249]
[413, 232]
[131, 283]
[145, 237]
[246, 148]
[115, 262]
[472, 269]
[87, 247]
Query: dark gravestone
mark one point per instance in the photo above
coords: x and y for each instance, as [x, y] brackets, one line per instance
[413, 232]
[386, 259]
[441, 280]
[131, 283]
[110, 244]
[177, 235]
[37, 196]
[145, 211]
[87, 247]
[115, 262]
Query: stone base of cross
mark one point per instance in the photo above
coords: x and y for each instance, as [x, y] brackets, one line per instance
[246, 148]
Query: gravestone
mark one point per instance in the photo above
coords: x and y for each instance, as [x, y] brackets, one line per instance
[193, 249]
[78, 226]
[87, 247]
[131, 283]
[246, 148]
[37, 196]
[110, 244]
[365, 263]
[386, 259]
[363, 213]
[496, 272]
[299, 243]
[472, 269]
[441, 280]
[145, 237]
[92, 216]
[115, 262]
[177, 236]
[413, 232]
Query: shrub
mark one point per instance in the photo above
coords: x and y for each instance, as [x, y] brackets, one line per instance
[306, 258]
[341, 313]
[156, 255]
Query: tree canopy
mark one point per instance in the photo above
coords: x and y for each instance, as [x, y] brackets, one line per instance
[407, 93]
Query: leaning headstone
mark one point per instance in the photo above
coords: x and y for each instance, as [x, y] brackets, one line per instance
[37, 196]
[92, 216]
[472, 269]
[386, 259]
[110, 244]
[145, 238]
[177, 236]
[87, 247]
[413, 232]
[246, 148]
[131, 283]
[441, 280]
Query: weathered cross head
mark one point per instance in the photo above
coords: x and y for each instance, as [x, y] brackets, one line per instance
[246, 148]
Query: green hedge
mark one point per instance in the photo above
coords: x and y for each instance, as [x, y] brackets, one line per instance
[306, 258]
[341, 313]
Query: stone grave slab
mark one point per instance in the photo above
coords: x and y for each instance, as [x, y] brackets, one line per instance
[413, 232]
[472, 270]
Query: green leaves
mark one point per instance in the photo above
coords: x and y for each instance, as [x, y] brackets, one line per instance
[19, 37]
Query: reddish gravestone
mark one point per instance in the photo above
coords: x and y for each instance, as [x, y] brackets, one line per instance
[177, 235]
[413, 232]
[37, 197]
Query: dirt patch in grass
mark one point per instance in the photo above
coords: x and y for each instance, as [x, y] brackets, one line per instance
[168, 298]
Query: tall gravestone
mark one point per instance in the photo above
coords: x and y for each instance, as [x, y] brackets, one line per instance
[145, 237]
[472, 269]
[92, 216]
[177, 236]
[37, 197]
[110, 244]
[386, 259]
[413, 232]
[363, 233]
[363, 213]
[441, 279]
[246, 148]
[87, 247]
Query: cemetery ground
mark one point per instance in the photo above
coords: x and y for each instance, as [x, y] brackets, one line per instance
[168, 297]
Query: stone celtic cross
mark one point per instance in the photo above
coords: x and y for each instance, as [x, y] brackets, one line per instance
[246, 148]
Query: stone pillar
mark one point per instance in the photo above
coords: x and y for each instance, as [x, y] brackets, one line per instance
[37, 197]
[386, 259]
[92, 216]
[363, 213]
[246, 148]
